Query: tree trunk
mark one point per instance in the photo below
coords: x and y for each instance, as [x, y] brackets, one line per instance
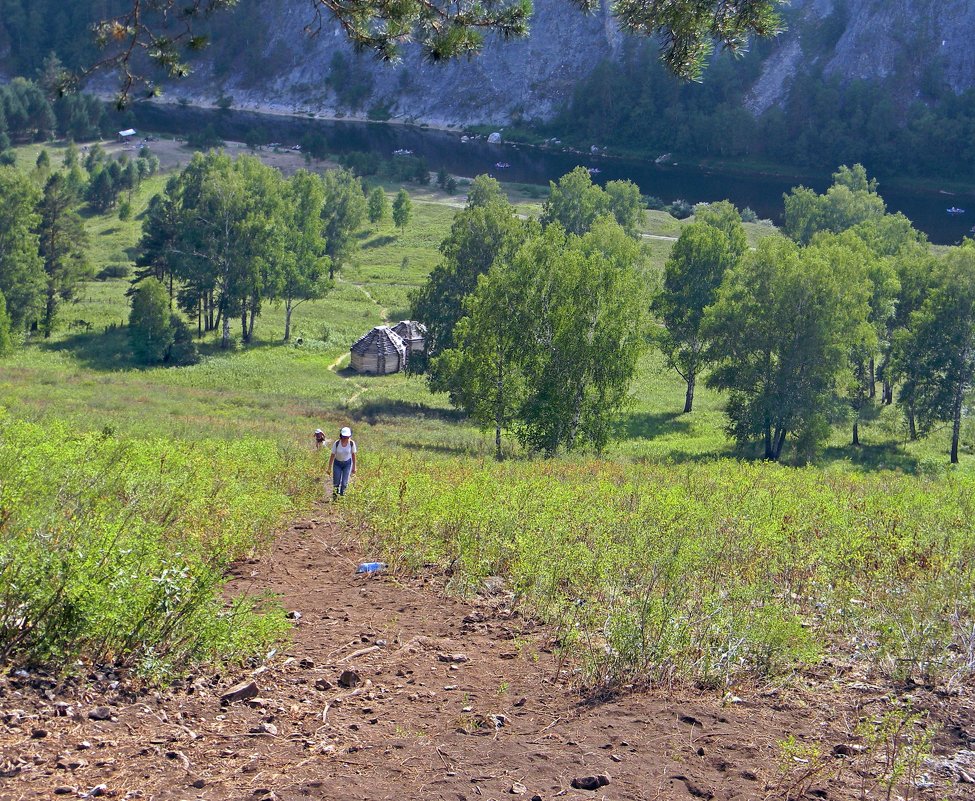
[769, 453]
[199, 318]
[888, 397]
[956, 425]
[50, 308]
[225, 337]
[250, 325]
[287, 320]
[779, 442]
[856, 433]
[243, 325]
[689, 395]
[911, 424]
[873, 379]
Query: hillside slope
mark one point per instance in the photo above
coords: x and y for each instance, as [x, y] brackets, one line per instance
[277, 66]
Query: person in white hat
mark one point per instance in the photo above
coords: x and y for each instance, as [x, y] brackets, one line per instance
[341, 463]
[319, 439]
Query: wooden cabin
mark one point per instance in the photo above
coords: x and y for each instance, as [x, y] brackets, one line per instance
[413, 334]
[380, 352]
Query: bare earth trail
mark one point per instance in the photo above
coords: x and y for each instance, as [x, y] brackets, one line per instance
[334, 366]
[445, 699]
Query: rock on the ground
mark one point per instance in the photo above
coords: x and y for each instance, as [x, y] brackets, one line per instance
[590, 782]
[100, 713]
[239, 692]
[453, 658]
[349, 679]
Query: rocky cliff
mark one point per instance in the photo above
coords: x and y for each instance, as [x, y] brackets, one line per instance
[281, 68]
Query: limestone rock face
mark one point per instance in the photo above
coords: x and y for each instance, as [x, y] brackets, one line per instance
[284, 70]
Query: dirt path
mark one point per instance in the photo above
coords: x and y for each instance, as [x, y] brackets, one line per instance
[445, 699]
[334, 366]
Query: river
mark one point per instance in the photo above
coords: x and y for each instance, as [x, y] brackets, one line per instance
[530, 165]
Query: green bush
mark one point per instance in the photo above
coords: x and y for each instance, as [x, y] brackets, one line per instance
[114, 551]
[150, 323]
[114, 271]
[380, 112]
[182, 351]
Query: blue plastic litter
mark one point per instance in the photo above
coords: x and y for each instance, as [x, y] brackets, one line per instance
[370, 567]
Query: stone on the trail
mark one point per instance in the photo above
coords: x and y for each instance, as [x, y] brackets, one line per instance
[323, 684]
[100, 713]
[590, 782]
[198, 784]
[536, 797]
[349, 679]
[98, 790]
[38, 734]
[306, 526]
[65, 789]
[239, 692]
[84, 745]
[453, 657]
[518, 789]
[294, 614]
[492, 585]
[306, 663]
[265, 728]
[257, 703]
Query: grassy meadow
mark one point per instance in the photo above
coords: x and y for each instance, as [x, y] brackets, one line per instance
[682, 558]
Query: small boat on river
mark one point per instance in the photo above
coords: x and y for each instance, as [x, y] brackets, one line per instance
[955, 210]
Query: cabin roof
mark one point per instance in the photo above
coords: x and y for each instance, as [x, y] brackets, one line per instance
[381, 340]
[410, 329]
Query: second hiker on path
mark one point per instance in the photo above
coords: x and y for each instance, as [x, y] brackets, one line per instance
[342, 462]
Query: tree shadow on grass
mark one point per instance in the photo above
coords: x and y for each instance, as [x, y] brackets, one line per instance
[378, 242]
[106, 351]
[883, 456]
[651, 425]
[374, 411]
[447, 450]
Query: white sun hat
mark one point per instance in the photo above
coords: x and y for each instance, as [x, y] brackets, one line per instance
[345, 432]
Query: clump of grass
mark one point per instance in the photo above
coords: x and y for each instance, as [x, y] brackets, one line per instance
[114, 550]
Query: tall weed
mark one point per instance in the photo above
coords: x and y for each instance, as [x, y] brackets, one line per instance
[114, 550]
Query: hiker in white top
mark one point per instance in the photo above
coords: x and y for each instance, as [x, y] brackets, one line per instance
[341, 462]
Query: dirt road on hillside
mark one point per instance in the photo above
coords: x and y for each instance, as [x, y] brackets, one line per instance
[393, 690]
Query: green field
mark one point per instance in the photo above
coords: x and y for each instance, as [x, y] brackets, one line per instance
[668, 499]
